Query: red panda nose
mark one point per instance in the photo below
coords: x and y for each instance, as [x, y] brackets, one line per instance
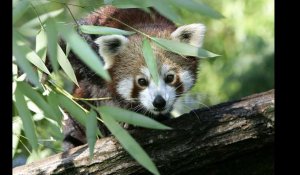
[159, 102]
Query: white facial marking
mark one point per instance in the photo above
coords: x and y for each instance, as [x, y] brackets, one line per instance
[148, 95]
[197, 32]
[104, 49]
[187, 80]
[146, 72]
[125, 87]
[164, 69]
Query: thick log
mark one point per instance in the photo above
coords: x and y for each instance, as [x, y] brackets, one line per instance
[230, 138]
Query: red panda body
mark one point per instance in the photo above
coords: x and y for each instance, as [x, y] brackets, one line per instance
[132, 86]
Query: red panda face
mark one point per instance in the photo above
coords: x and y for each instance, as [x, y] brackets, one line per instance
[160, 98]
[131, 78]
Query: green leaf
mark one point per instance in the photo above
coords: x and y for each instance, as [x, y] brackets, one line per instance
[41, 44]
[53, 102]
[55, 129]
[108, 2]
[67, 49]
[28, 91]
[14, 71]
[41, 48]
[128, 143]
[20, 8]
[165, 9]
[17, 127]
[72, 107]
[91, 131]
[52, 43]
[25, 115]
[21, 60]
[198, 7]
[35, 22]
[66, 65]
[30, 54]
[83, 50]
[39, 2]
[150, 60]
[130, 117]
[35, 59]
[131, 4]
[101, 30]
[91, 4]
[183, 48]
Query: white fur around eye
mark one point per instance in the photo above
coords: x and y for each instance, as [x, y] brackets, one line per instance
[187, 80]
[164, 69]
[124, 88]
[197, 32]
[108, 51]
[146, 72]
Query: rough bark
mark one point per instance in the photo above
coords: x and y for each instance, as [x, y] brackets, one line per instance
[230, 138]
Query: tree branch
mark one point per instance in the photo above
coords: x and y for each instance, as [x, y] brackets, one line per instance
[229, 138]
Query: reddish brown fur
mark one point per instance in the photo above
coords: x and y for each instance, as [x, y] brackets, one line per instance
[133, 17]
[128, 62]
[79, 92]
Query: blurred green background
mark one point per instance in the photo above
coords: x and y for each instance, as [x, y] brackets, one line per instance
[244, 39]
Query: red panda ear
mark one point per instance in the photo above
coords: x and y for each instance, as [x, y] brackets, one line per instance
[192, 34]
[110, 46]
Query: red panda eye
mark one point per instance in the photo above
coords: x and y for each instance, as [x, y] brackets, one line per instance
[169, 78]
[142, 82]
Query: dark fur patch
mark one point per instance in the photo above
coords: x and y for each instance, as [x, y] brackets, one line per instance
[72, 140]
[113, 45]
[178, 86]
[185, 35]
[135, 91]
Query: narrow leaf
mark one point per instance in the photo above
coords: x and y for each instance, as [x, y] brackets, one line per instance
[53, 102]
[130, 117]
[183, 48]
[25, 115]
[150, 60]
[35, 60]
[75, 111]
[15, 72]
[84, 51]
[131, 4]
[17, 127]
[67, 49]
[91, 131]
[39, 2]
[55, 129]
[41, 48]
[52, 42]
[20, 8]
[30, 54]
[35, 22]
[165, 9]
[197, 7]
[128, 143]
[65, 64]
[19, 54]
[27, 90]
[41, 44]
[91, 4]
[101, 30]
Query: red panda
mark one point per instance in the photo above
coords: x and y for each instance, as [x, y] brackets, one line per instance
[132, 87]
